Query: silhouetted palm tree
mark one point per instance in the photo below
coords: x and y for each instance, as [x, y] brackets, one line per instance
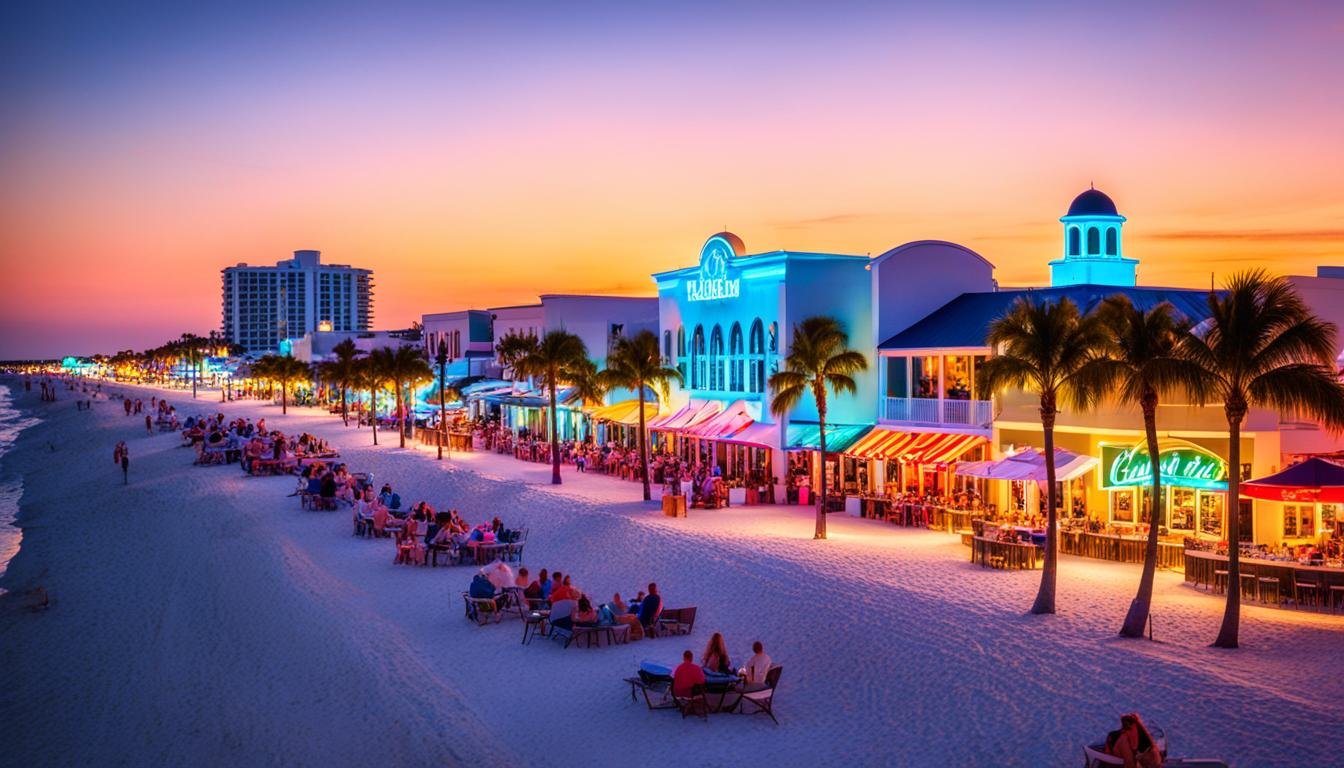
[819, 357]
[1043, 347]
[404, 368]
[559, 357]
[635, 363]
[1137, 363]
[1261, 347]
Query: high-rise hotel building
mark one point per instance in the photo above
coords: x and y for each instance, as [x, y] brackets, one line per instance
[263, 306]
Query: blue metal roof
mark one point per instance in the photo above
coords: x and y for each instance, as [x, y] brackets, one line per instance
[964, 321]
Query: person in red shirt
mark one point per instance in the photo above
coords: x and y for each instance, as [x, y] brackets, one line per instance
[686, 675]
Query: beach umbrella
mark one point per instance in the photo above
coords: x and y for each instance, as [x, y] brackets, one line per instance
[1315, 480]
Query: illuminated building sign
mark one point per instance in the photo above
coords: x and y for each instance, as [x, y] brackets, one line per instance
[714, 283]
[1182, 465]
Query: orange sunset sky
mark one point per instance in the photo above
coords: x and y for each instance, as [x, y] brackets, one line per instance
[478, 155]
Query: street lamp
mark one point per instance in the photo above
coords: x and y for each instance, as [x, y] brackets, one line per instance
[442, 359]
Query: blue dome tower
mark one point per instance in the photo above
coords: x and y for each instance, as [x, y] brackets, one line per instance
[1092, 245]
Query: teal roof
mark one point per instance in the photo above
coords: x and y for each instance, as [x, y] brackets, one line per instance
[964, 321]
[804, 436]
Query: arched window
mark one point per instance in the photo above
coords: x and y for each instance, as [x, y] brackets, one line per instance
[735, 358]
[1073, 242]
[457, 344]
[716, 358]
[756, 364]
[667, 345]
[1093, 241]
[681, 354]
[698, 358]
[1112, 242]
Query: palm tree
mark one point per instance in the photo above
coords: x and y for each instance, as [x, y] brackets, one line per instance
[1260, 347]
[514, 347]
[1045, 347]
[819, 356]
[190, 346]
[559, 357]
[369, 376]
[342, 371]
[636, 363]
[404, 368]
[284, 370]
[1137, 361]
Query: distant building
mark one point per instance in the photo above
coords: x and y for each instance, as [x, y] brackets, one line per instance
[317, 346]
[263, 306]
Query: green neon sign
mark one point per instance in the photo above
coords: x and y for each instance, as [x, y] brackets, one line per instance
[1185, 466]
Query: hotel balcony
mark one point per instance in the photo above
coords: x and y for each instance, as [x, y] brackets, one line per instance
[925, 410]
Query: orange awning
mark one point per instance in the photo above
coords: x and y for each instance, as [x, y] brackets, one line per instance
[913, 447]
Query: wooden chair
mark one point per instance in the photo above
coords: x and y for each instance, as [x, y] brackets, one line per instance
[1306, 587]
[482, 609]
[695, 704]
[763, 700]
[677, 621]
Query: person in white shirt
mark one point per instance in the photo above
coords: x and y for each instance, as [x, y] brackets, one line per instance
[757, 667]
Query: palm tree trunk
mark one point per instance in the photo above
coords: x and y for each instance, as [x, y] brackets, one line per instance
[195, 374]
[555, 437]
[373, 412]
[401, 417]
[820, 392]
[644, 447]
[443, 410]
[1231, 627]
[345, 411]
[284, 397]
[1045, 596]
[1143, 601]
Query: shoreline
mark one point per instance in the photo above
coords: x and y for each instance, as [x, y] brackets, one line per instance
[201, 617]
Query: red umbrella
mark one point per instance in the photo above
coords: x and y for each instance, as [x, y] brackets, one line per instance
[1312, 480]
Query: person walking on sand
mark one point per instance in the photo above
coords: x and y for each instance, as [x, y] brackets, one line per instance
[125, 464]
[149, 425]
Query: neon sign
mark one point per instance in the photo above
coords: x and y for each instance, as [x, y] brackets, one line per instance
[714, 283]
[1182, 465]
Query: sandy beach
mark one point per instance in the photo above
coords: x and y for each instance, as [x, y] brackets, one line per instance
[200, 617]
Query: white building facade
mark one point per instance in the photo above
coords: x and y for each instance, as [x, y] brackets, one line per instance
[263, 306]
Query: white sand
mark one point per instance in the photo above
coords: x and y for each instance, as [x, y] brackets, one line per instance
[201, 618]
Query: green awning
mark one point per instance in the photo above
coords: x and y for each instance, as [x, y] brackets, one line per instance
[807, 437]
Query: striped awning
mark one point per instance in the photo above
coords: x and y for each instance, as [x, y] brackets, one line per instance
[723, 424]
[839, 437]
[913, 447]
[691, 414]
[626, 412]
[757, 433]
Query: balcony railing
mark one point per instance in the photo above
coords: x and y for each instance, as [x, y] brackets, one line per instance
[974, 413]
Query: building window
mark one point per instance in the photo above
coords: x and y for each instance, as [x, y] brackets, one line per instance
[756, 363]
[736, 359]
[667, 345]
[716, 358]
[1093, 241]
[1073, 242]
[924, 379]
[897, 371]
[1112, 242]
[681, 354]
[698, 358]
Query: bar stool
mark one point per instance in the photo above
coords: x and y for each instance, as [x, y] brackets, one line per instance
[1220, 581]
[1305, 587]
[1336, 596]
[1248, 580]
[1270, 585]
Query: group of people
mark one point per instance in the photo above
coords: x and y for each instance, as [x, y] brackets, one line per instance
[715, 667]
[422, 528]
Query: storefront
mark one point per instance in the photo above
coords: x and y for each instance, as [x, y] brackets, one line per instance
[1194, 487]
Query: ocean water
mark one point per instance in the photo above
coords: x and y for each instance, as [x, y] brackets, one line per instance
[12, 422]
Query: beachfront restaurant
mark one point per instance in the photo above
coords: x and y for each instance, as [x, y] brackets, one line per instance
[726, 323]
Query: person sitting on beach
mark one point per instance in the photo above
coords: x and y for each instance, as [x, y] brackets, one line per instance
[537, 589]
[564, 591]
[1133, 744]
[757, 667]
[715, 657]
[620, 614]
[687, 675]
[650, 607]
[522, 580]
[586, 615]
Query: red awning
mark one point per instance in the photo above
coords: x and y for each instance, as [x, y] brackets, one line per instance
[1314, 480]
[914, 447]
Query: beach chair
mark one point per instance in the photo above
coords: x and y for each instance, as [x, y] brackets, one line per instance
[561, 610]
[676, 621]
[482, 610]
[657, 690]
[695, 704]
[762, 701]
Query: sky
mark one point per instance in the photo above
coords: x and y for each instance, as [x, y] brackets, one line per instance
[480, 154]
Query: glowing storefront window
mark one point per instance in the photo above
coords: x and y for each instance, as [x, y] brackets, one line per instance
[957, 377]
[924, 377]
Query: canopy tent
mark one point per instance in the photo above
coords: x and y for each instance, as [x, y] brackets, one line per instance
[839, 437]
[1314, 480]
[913, 447]
[625, 412]
[1029, 464]
[690, 414]
[484, 387]
[758, 433]
[536, 398]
